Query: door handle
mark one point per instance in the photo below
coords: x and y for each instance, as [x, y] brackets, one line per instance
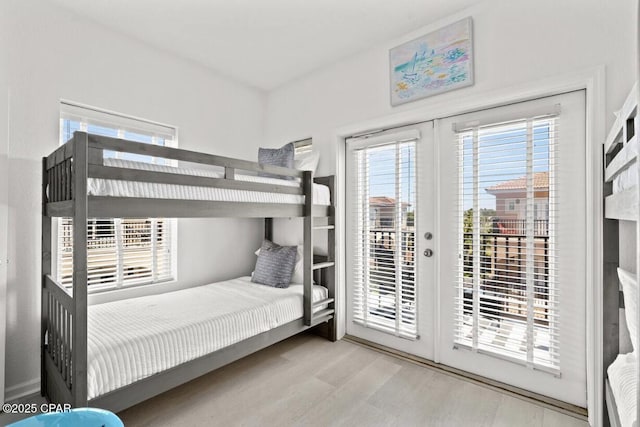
[428, 253]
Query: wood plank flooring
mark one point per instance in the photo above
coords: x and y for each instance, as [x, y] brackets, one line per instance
[308, 381]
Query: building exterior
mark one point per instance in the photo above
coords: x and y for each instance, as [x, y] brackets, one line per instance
[511, 197]
[511, 202]
[382, 213]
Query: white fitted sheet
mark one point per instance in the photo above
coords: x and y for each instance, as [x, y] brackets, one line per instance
[118, 188]
[622, 375]
[626, 179]
[132, 339]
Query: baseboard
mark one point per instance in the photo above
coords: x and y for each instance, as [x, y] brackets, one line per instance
[21, 390]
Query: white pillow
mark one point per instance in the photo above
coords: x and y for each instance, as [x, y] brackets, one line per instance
[630, 291]
[298, 269]
[307, 161]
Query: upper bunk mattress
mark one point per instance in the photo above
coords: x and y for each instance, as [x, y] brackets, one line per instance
[119, 188]
[132, 339]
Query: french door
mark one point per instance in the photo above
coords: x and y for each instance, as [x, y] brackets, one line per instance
[512, 245]
[390, 192]
[466, 243]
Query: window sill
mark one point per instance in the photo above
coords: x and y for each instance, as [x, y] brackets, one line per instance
[101, 296]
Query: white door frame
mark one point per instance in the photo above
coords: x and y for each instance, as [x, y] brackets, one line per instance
[593, 81]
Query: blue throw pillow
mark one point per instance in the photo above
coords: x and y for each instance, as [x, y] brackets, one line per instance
[275, 265]
[282, 156]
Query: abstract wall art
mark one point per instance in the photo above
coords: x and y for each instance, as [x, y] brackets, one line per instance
[434, 63]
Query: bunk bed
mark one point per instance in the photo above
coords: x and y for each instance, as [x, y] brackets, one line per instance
[80, 182]
[622, 266]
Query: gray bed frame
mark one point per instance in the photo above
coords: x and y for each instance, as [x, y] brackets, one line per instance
[621, 151]
[64, 315]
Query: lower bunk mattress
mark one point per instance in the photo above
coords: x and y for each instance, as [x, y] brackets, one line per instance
[132, 339]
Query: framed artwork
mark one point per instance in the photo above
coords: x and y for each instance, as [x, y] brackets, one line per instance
[434, 63]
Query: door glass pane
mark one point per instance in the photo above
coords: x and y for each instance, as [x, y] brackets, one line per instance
[505, 279]
[385, 293]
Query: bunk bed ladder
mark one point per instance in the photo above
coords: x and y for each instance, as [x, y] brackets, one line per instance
[320, 268]
[307, 184]
[323, 267]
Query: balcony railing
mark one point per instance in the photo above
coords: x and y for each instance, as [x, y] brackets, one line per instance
[503, 258]
[519, 226]
[383, 273]
[503, 284]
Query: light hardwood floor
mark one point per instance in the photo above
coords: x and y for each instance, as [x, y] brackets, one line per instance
[308, 381]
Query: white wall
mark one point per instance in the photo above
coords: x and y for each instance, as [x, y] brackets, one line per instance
[515, 42]
[3, 190]
[54, 54]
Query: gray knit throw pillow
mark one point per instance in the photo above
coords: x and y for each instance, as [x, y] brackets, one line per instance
[275, 265]
[282, 156]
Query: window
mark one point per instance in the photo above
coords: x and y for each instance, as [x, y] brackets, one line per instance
[541, 209]
[384, 268]
[303, 146]
[511, 204]
[120, 252]
[506, 274]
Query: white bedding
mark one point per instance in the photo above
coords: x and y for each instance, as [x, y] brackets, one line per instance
[118, 188]
[626, 179]
[622, 375]
[132, 339]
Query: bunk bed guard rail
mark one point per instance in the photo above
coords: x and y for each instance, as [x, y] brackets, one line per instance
[61, 167]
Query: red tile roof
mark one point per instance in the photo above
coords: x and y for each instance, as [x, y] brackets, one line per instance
[540, 180]
[382, 200]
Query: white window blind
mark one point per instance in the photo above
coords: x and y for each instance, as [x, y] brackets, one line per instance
[112, 121]
[383, 227]
[303, 146]
[120, 252]
[507, 295]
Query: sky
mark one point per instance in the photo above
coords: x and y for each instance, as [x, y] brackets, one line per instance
[502, 154]
[382, 171]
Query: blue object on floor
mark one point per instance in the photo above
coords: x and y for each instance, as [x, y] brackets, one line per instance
[80, 417]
